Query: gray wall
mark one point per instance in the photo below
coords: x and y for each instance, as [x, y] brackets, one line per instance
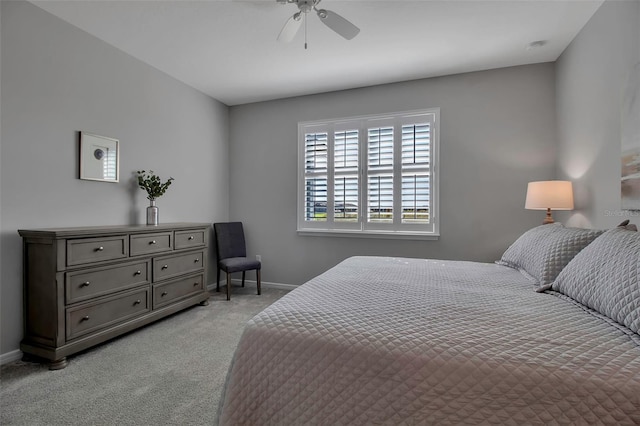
[1, 257]
[498, 131]
[497, 134]
[591, 77]
[57, 80]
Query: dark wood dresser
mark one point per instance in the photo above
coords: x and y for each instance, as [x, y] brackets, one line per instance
[83, 286]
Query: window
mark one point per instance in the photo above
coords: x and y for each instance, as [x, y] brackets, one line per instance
[373, 175]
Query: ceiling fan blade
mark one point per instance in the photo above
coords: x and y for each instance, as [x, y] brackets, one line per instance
[338, 24]
[290, 28]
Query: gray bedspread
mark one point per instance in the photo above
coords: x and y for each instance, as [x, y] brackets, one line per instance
[397, 341]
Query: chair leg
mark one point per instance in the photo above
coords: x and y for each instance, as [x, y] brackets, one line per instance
[243, 272]
[218, 282]
[228, 286]
[258, 279]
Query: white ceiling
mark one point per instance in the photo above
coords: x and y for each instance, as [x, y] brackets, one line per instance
[228, 49]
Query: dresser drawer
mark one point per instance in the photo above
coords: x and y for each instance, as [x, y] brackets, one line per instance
[172, 266]
[166, 293]
[88, 283]
[88, 318]
[150, 243]
[189, 239]
[90, 250]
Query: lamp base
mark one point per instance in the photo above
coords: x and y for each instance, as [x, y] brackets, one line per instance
[548, 219]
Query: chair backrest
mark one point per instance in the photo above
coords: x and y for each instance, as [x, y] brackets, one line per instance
[230, 240]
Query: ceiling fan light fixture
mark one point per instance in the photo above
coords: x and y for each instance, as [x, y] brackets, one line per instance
[306, 5]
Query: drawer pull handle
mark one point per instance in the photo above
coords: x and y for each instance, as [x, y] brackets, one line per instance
[165, 266]
[196, 284]
[190, 237]
[85, 284]
[153, 242]
[137, 302]
[100, 248]
[85, 318]
[164, 293]
[138, 273]
[197, 260]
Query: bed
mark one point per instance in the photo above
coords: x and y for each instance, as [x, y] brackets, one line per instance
[383, 340]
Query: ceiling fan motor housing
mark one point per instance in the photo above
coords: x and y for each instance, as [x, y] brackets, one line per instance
[304, 5]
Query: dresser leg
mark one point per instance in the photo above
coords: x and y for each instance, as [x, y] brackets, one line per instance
[58, 364]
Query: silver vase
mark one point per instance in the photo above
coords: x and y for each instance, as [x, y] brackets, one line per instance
[152, 214]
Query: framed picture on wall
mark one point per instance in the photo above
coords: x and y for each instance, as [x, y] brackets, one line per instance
[99, 158]
[630, 159]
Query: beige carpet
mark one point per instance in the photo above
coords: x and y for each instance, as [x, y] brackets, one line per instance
[168, 373]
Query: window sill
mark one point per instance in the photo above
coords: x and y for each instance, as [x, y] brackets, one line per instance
[368, 234]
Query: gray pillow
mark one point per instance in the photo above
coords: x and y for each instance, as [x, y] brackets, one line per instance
[542, 252]
[604, 277]
[628, 226]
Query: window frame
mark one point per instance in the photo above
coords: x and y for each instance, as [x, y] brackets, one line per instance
[362, 227]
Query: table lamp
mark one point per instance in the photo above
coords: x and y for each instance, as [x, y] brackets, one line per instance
[549, 194]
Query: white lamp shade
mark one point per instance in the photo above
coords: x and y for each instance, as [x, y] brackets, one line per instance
[549, 194]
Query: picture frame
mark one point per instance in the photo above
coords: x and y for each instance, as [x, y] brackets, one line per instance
[99, 158]
[630, 158]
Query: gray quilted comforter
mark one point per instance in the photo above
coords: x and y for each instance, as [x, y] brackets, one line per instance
[398, 341]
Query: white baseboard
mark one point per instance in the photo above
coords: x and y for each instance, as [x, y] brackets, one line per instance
[10, 357]
[267, 284]
[274, 285]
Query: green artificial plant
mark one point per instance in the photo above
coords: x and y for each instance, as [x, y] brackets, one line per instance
[152, 184]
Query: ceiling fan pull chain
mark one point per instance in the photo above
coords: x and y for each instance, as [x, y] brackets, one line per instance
[305, 31]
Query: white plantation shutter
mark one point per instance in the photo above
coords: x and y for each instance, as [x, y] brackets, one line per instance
[346, 199]
[346, 187]
[346, 150]
[380, 199]
[315, 180]
[380, 148]
[371, 175]
[380, 174]
[316, 152]
[416, 159]
[316, 206]
[415, 144]
[415, 198]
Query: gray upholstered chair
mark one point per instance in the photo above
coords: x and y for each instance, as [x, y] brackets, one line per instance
[232, 253]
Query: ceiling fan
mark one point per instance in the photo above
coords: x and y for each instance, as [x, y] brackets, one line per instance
[331, 19]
